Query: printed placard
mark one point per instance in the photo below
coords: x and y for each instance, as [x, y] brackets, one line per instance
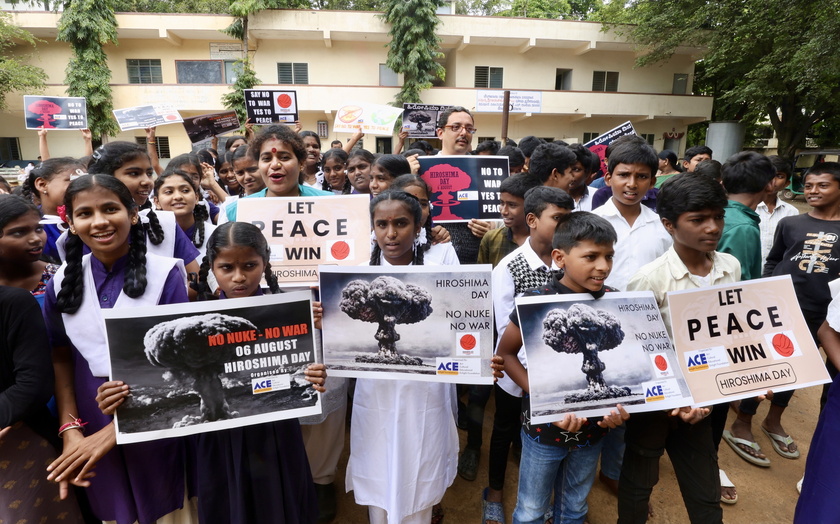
[464, 186]
[205, 126]
[739, 340]
[142, 117]
[271, 106]
[420, 120]
[304, 232]
[55, 112]
[599, 144]
[374, 119]
[586, 355]
[520, 101]
[426, 323]
[208, 366]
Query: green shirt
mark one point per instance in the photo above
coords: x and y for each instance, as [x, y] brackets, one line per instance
[742, 238]
[496, 245]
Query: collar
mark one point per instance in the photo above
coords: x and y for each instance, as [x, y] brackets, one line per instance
[609, 209]
[533, 259]
[678, 269]
[741, 208]
[98, 267]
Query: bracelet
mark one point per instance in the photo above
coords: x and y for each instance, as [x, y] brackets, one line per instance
[76, 423]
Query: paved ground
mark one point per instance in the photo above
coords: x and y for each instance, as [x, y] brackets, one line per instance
[767, 495]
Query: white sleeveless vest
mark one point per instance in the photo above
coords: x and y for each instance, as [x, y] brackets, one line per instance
[86, 328]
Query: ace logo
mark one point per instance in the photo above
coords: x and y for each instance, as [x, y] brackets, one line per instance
[654, 393]
[262, 386]
[448, 368]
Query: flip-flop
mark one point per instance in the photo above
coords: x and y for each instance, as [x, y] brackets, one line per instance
[726, 483]
[734, 444]
[777, 439]
[492, 511]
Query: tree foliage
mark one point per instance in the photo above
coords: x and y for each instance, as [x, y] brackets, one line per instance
[15, 73]
[245, 79]
[556, 9]
[774, 59]
[413, 49]
[171, 6]
[89, 25]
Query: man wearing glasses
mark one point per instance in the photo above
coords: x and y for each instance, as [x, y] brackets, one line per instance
[456, 128]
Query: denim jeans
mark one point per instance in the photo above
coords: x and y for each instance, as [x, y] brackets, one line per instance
[612, 453]
[569, 472]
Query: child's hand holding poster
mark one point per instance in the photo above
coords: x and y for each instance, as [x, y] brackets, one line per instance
[206, 366]
[584, 355]
[737, 341]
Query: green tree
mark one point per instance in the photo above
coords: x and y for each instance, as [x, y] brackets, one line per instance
[247, 77]
[171, 6]
[413, 49]
[89, 25]
[558, 9]
[15, 73]
[773, 59]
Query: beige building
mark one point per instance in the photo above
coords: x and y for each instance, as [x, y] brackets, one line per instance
[580, 80]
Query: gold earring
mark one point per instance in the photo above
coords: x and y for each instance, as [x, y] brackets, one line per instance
[73, 230]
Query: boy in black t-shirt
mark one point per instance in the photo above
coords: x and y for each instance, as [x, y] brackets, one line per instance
[562, 456]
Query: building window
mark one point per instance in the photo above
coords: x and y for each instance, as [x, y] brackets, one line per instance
[563, 80]
[10, 148]
[144, 71]
[648, 136]
[206, 71]
[680, 84]
[387, 77]
[289, 73]
[605, 81]
[489, 77]
[161, 144]
[590, 136]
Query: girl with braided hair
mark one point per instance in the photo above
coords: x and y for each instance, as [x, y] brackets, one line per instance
[175, 191]
[441, 252]
[130, 164]
[401, 472]
[335, 172]
[46, 186]
[233, 483]
[128, 485]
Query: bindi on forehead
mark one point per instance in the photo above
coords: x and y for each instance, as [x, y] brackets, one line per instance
[273, 149]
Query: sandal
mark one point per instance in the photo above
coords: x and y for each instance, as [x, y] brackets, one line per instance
[777, 439]
[726, 483]
[491, 511]
[735, 443]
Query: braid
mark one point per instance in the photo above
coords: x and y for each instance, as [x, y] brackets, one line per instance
[428, 227]
[348, 187]
[271, 280]
[135, 271]
[419, 253]
[325, 185]
[153, 229]
[376, 255]
[26, 189]
[200, 214]
[203, 287]
[72, 287]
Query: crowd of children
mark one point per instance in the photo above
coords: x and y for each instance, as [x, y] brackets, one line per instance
[115, 229]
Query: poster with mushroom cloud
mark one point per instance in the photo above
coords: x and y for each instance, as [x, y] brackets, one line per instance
[207, 366]
[427, 323]
[739, 340]
[586, 355]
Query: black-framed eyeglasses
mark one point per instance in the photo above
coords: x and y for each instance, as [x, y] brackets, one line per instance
[456, 128]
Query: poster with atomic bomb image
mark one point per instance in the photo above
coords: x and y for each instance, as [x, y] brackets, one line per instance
[420, 120]
[586, 355]
[739, 340]
[426, 323]
[464, 186]
[207, 366]
[55, 112]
